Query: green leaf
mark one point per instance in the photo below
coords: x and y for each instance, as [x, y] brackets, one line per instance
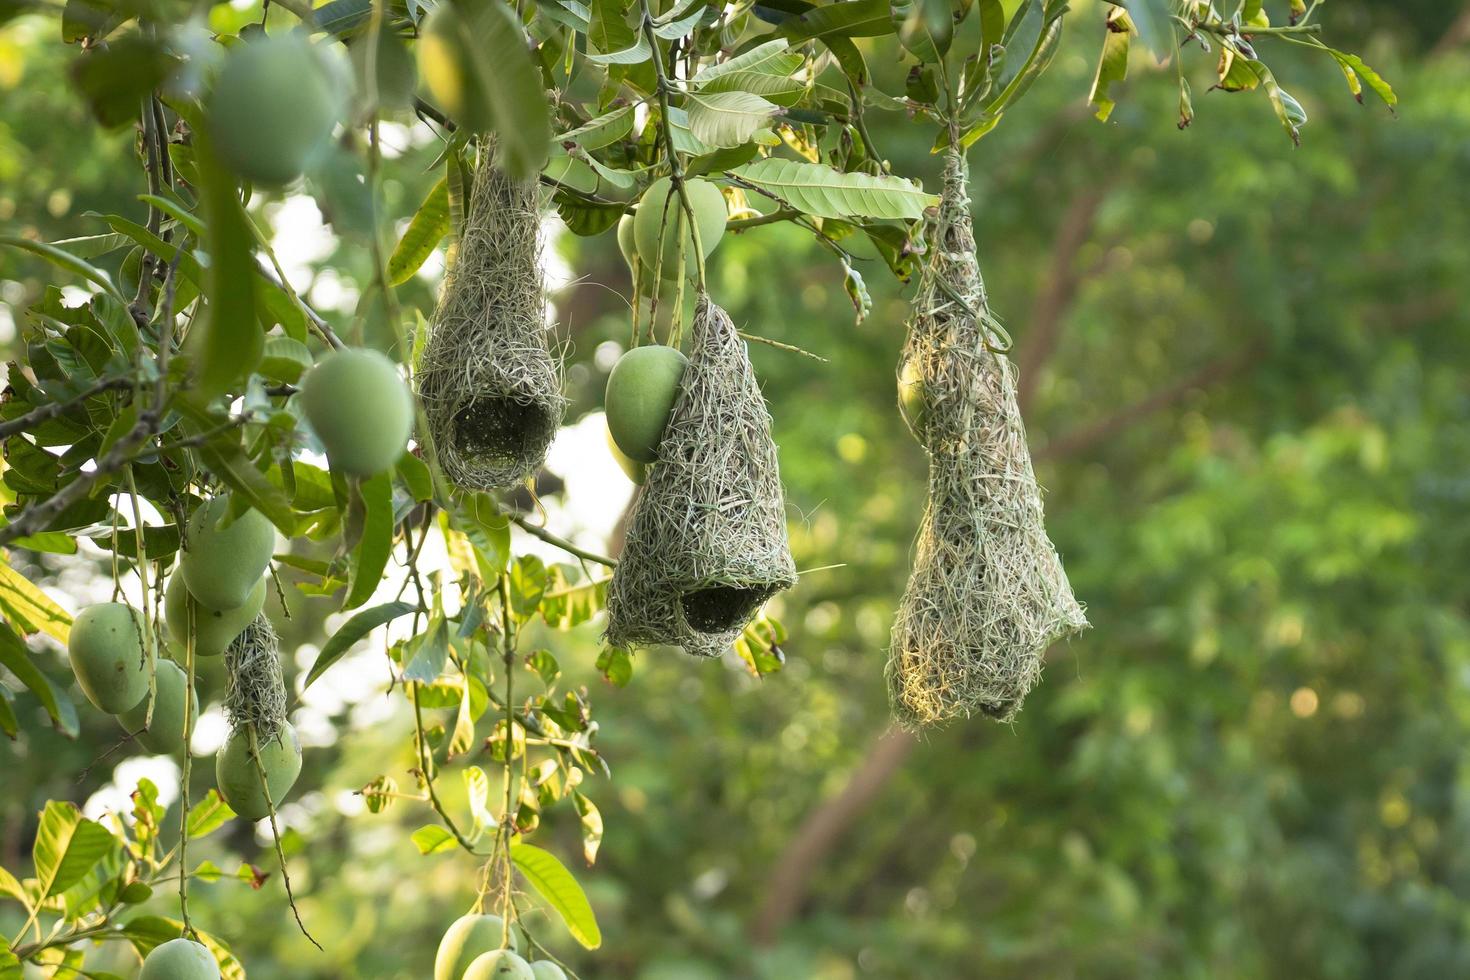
[208, 815]
[114, 79]
[353, 630]
[433, 839]
[9, 724]
[602, 131]
[230, 464]
[230, 340]
[430, 653]
[591, 819]
[424, 233]
[477, 794]
[374, 547]
[67, 847]
[17, 659]
[527, 586]
[925, 27]
[561, 891]
[819, 190]
[848, 18]
[764, 70]
[285, 359]
[1353, 68]
[501, 86]
[67, 261]
[1112, 65]
[29, 609]
[608, 31]
[727, 119]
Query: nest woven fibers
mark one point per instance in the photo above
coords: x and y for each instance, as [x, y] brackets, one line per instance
[490, 385]
[987, 594]
[706, 544]
[255, 693]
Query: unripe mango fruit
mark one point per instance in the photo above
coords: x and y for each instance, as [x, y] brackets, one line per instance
[108, 656]
[239, 782]
[214, 630]
[651, 225]
[223, 565]
[359, 408]
[634, 470]
[547, 970]
[166, 734]
[641, 391]
[470, 937]
[180, 959]
[500, 964]
[272, 109]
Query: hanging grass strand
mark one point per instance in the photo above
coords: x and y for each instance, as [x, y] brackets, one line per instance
[988, 593]
[490, 384]
[706, 545]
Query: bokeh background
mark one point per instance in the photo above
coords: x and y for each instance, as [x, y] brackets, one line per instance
[1246, 374]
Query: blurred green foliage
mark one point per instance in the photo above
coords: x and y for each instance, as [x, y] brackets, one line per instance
[1250, 409]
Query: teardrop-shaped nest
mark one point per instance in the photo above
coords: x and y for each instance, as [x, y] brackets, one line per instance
[706, 544]
[255, 693]
[490, 384]
[987, 594]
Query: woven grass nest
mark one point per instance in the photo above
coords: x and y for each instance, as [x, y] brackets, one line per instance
[490, 384]
[255, 693]
[706, 544]
[987, 594]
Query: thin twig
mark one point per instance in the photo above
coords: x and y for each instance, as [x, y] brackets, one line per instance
[540, 532]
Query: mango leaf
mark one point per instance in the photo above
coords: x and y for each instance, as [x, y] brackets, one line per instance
[67, 847]
[17, 659]
[477, 794]
[591, 819]
[616, 665]
[819, 190]
[231, 341]
[430, 653]
[608, 30]
[208, 815]
[727, 119]
[230, 464]
[9, 724]
[925, 27]
[1356, 72]
[67, 261]
[604, 130]
[353, 630]
[561, 891]
[848, 19]
[771, 58]
[149, 931]
[424, 233]
[370, 556]
[115, 78]
[433, 839]
[29, 609]
[1112, 65]
[527, 586]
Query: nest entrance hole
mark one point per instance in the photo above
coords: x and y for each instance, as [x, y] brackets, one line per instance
[500, 427]
[720, 608]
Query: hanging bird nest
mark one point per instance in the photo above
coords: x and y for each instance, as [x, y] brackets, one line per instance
[987, 594]
[490, 384]
[255, 693]
[706, 545]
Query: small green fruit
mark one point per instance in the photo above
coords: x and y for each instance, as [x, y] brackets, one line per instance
[239, 782]
[641, 391]
[651, 225]
[108, 656]
[273, 107]
[166, 735]
[222, 566]
[470, 937]
[359, 408]
[913, 401]
[626, 241]
[635, 471]
[500, 964]
[547, 970]
[180, 959]
[214, 630]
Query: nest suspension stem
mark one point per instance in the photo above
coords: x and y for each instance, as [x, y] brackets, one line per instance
[676, 171]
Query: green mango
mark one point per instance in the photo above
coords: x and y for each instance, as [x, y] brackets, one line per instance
[239, 782]
[214, 630]
[469, 937]
[660, 219]
[272, 109]
[108, 656]
[180, 959]
[222, 566]
[500, 964]
[166, 735]
[360, 409]
[547, 970]
[641, 391]
[634, 470]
